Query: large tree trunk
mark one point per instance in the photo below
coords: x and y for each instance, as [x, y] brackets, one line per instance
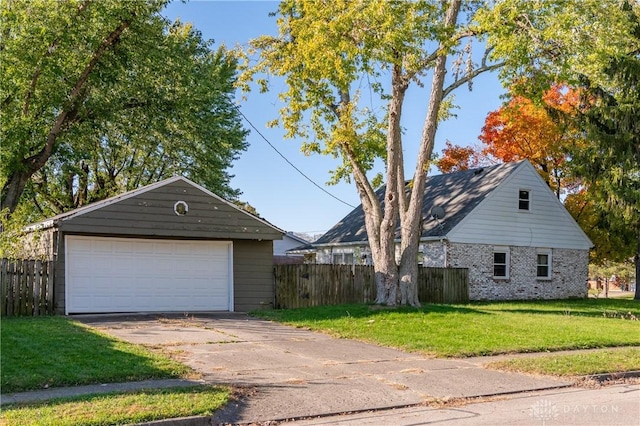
[382, 247]
[387, 284]
[380, 226]
[386, 274]
[411, 214]
[12, 191]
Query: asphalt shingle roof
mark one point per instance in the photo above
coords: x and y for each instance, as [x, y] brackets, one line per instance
[457, 193]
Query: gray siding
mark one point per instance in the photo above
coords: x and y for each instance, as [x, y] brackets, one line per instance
[497, 219]
[253, 275]
[59, 275]
[151, 214]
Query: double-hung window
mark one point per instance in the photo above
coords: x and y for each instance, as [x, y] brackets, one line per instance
[543, 264]
[343, 259]
[524, 200]
[501, 262]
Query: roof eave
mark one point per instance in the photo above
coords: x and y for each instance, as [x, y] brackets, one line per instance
[41, 226]
[361, 242]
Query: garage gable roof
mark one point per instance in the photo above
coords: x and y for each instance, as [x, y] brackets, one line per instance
[243, 222]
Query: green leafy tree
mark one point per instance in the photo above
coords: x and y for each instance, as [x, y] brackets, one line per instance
[614, 242]
[327, 50]
[546, 42]
[102, 97]
[611, 162]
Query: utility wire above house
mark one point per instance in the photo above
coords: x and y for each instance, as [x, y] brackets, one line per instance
[289, 162]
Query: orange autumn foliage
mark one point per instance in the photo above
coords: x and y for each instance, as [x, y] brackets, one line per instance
[456, 158]
[521, 129]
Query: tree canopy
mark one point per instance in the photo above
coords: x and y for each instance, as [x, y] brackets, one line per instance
[610, 163]
[524, 129]
[333, 53]
[102, 97]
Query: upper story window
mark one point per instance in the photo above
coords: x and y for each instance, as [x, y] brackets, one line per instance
[543, 264]
[524, 199]
[501, 262]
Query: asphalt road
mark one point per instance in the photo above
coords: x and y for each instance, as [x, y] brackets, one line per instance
[612, 405]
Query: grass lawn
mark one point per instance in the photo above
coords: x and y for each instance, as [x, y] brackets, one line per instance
[582, 364]
[56, 351]
[118, 409]
[479, 328]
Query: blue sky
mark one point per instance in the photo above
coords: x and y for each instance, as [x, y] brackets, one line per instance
[278, 192]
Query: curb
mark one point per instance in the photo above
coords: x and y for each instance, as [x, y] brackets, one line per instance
[210, 420]
[604, 377]
[181, 421]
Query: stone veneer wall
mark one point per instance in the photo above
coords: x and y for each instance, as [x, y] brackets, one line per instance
[569, 273]
[569, 270]
[433, 254]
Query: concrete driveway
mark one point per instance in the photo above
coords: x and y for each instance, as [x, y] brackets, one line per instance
[288, 373]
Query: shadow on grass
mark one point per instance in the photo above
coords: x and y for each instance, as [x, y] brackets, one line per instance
[334, 312]
[56, 351]
[609, 308]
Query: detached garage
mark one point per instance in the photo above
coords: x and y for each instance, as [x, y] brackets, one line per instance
[168, 247]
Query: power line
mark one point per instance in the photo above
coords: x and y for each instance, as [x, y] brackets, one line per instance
[287, 160]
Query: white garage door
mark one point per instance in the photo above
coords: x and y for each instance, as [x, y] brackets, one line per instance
[146, 275]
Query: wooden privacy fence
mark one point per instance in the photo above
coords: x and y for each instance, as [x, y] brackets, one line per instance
[27, 287]
[300, 286]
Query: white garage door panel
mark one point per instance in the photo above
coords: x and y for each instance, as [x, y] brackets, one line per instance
[133, 275]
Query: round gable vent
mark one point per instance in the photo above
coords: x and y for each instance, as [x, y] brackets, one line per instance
[181, 208]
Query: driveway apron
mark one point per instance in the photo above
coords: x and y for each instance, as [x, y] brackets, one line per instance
[288, 373]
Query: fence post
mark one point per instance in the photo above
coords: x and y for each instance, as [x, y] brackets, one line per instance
[4, 282]
[31, 288]
[49, 287]
[9, 286]
[17, 282]
[37, 287]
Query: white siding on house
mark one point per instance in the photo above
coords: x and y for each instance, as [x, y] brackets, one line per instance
[280, 247]
[359, 253]
[498, 220]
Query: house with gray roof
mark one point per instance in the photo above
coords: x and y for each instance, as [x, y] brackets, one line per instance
[501, 222]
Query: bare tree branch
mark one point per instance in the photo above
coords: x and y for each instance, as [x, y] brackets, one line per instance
[467, 78]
